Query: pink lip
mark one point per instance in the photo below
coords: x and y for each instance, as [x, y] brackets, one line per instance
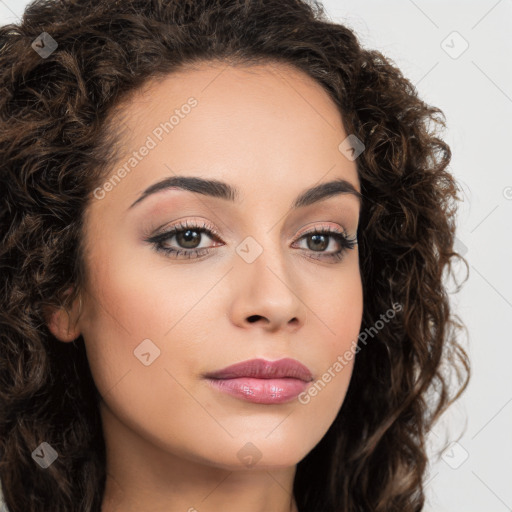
[262, 381]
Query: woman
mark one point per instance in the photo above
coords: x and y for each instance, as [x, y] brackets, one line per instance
[225, 227]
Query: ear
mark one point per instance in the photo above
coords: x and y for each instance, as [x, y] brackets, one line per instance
[63, 322]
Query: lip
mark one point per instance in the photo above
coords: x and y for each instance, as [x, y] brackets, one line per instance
[262, 381]
[263, 369]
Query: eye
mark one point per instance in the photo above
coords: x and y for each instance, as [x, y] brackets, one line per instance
[320, 239]
[188, 238]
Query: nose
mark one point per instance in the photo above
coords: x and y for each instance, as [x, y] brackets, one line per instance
[267, 292]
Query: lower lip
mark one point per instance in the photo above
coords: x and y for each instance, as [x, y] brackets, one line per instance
[261, 391]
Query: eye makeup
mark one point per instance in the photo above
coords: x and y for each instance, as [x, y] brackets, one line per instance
[188, 236]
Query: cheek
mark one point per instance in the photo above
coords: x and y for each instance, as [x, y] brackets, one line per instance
[139, 348]
[339, 310]
[336, 310]
[142, 327]
[122, 312]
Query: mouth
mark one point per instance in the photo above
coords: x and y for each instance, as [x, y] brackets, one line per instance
[261, 381]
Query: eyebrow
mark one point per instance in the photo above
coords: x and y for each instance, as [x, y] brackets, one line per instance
[222, 190]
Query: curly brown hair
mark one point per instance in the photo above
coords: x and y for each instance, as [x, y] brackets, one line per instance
[57, 140]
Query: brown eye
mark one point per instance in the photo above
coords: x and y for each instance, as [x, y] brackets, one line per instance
[183, 240]
[318, 242]
[188, 239]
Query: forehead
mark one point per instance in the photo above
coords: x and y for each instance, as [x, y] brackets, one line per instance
[232, 97]
[257, 127]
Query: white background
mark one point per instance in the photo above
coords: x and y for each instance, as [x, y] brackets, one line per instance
[474, 90]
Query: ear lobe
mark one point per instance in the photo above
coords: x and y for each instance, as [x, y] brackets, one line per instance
[62, 322]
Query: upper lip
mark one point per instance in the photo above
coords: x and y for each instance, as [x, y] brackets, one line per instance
[263, 369]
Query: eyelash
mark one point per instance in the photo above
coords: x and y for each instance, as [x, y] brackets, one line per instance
[345, 242]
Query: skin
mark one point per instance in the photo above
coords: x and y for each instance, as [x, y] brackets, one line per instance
[172, 441]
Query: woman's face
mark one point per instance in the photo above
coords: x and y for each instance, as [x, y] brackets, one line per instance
[251, 287]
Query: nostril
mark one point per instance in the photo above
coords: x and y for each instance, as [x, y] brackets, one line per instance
[254, 318]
